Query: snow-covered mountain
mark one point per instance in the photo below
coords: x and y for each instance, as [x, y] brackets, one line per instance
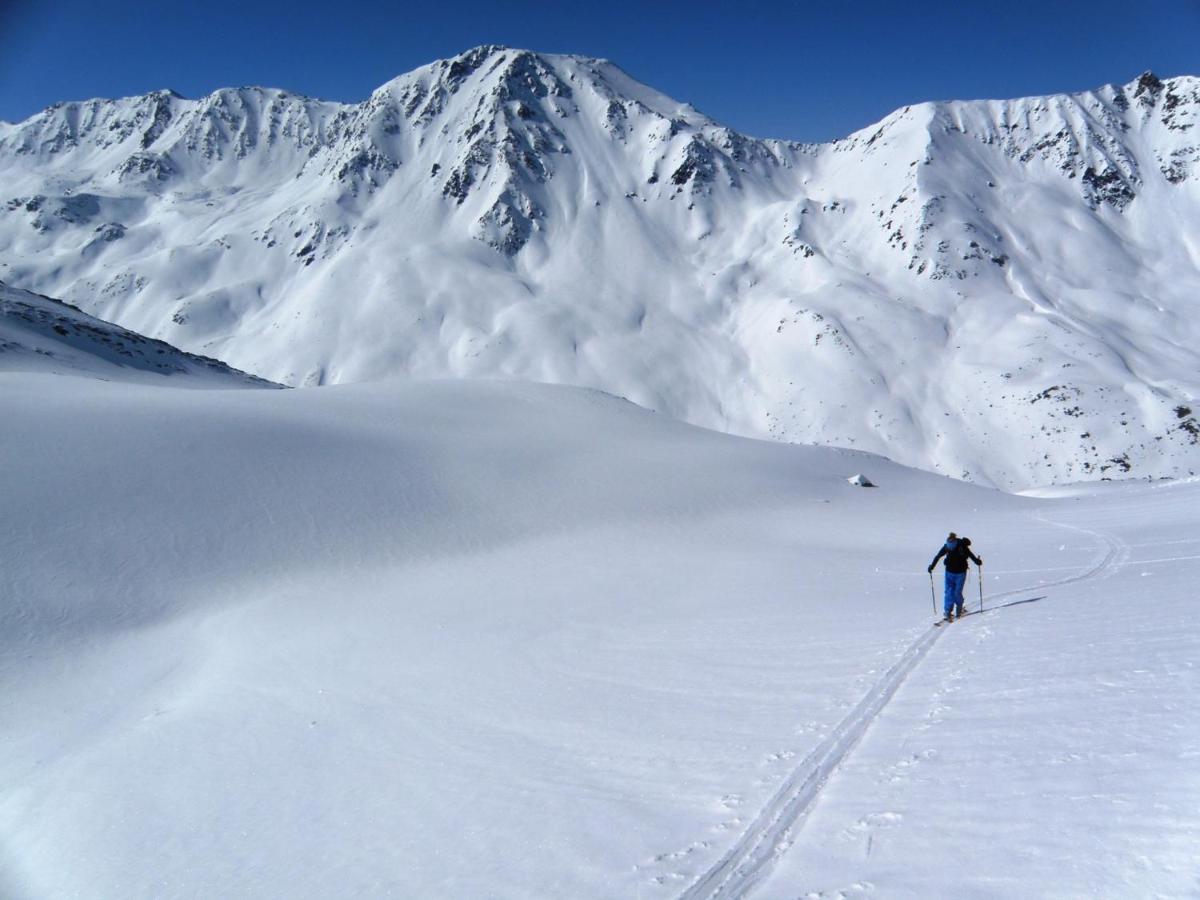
[999, 290]
[40, 334]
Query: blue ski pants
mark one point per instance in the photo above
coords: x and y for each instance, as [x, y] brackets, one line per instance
[954, 590]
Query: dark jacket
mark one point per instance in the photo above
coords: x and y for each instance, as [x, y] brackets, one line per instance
[957, 553]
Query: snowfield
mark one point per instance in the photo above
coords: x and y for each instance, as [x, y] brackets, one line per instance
[467, 639]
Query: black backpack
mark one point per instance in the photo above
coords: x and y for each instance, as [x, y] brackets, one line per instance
[958, 556]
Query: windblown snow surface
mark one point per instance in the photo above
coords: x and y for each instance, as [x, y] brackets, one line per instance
[470, 639]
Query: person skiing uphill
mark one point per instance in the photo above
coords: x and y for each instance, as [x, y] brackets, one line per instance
[957, 551]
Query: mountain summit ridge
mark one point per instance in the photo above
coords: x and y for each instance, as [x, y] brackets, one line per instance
[998, 290]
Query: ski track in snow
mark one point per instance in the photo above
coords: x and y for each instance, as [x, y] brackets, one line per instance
[773, 830]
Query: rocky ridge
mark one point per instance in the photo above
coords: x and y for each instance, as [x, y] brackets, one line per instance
[999, 290]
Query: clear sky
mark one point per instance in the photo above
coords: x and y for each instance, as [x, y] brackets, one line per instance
[799, 70]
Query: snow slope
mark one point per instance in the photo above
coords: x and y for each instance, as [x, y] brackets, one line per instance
[1002, 291]
[467, 639]
[1050, 749]
[44, 335]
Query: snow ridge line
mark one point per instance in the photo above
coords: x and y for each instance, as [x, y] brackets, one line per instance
[769, 835]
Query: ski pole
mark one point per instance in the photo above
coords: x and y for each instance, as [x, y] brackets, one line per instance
[932, 595]
[981, 588]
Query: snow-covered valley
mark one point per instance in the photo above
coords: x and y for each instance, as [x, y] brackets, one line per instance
[466, 639]
[1003, 291]
[454, 618]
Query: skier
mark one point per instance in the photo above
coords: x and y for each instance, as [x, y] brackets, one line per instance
[957, 551]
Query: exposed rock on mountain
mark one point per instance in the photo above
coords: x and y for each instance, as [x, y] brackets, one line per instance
[39, 334]
[1004, 291]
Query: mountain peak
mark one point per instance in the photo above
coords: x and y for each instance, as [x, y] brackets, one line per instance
[1147, 82]
[508, 212]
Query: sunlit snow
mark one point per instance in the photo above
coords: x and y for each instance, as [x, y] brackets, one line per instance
[427, 627]
[1003, 291]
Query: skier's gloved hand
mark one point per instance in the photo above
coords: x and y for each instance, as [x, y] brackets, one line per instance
[930, 570]
[981, 560]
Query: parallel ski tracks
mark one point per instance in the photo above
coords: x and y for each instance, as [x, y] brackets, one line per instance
[771, 832]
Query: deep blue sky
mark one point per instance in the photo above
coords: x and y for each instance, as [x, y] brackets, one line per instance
[806, 71]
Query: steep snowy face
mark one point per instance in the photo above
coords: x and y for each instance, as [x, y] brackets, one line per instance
[512, 137]
[149, 140]
[999, 290]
